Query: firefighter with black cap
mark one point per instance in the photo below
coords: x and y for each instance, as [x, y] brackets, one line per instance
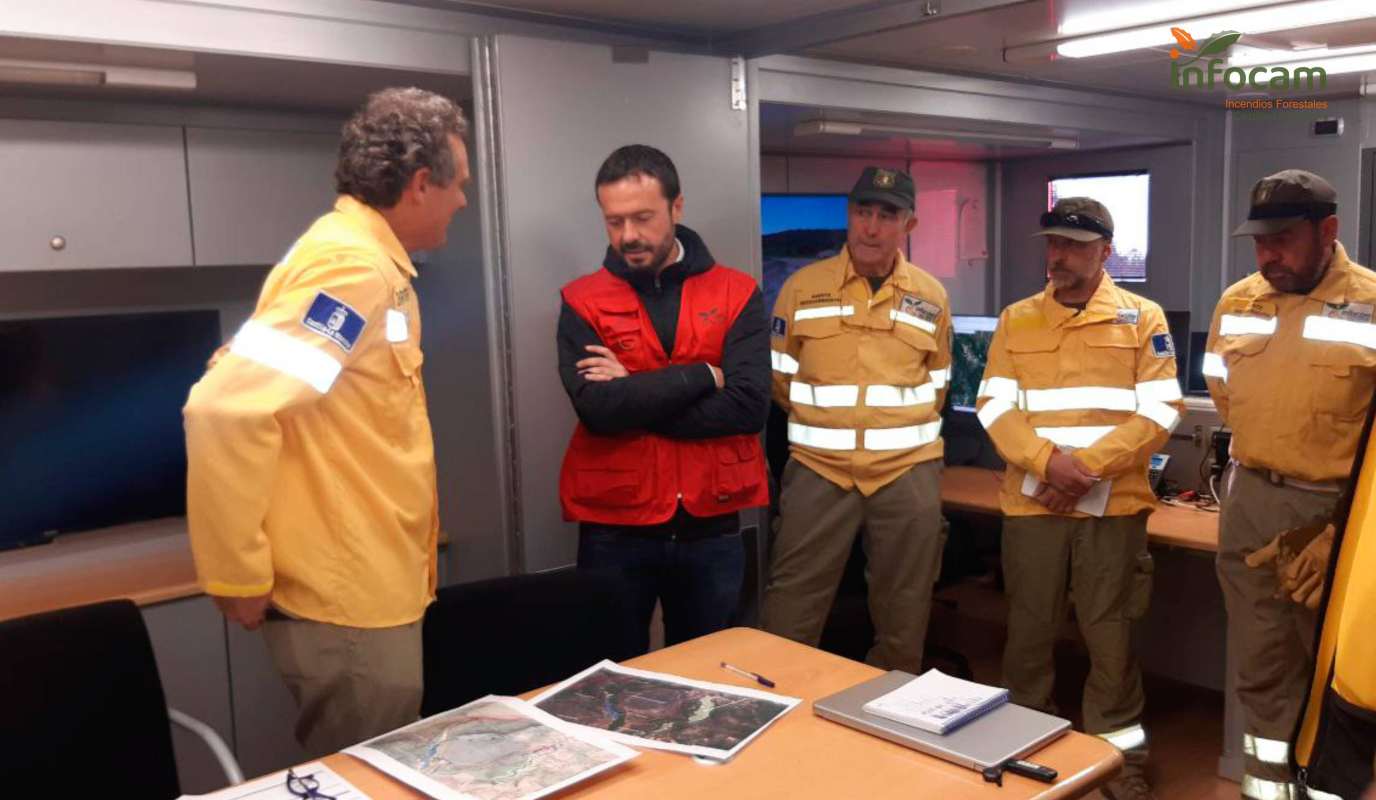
[861, 354]
[1291, 365]
[1078, 391]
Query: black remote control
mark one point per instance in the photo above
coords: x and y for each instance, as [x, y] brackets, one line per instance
[1029, 770]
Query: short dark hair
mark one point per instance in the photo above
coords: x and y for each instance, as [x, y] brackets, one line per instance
[640, 159]
[397, 133]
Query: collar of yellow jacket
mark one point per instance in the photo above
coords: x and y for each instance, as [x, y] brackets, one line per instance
[901, 277]
[1333, 287]
[1103, 305]
[376, 226]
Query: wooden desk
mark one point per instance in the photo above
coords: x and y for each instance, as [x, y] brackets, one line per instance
[147, 562]
[976, 490]
[802, 755]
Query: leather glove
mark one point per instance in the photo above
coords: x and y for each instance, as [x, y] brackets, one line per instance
[1285, 546]
[1303, 578]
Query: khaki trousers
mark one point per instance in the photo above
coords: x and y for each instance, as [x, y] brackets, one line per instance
[903, 541]
[1273, 637]
[350, 684]
[1103, 567]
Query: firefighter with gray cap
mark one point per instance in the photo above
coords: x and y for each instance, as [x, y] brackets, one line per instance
[1291, 365]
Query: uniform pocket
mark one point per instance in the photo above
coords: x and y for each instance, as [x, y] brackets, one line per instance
[1342, 381]
[1139, 590]
[739, 468]
[1035, 356]
[1114, 345]
[612, 471]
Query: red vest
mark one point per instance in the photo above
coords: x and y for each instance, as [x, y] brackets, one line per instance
[639, 478]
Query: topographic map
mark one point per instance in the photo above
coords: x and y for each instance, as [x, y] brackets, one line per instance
[496, 748]
[663, 711]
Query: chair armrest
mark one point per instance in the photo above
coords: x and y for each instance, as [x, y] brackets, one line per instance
[212, 740]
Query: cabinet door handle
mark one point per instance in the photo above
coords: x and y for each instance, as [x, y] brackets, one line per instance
[58, 242]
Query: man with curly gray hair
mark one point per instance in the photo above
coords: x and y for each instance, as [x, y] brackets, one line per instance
[311, 494]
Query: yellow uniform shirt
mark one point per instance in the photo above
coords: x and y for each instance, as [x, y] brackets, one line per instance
[861, 373]
[1292, 374]
[311, 468]
[1100, 381]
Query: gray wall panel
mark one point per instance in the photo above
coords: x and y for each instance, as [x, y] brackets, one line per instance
[1170, 243]
[563, 108]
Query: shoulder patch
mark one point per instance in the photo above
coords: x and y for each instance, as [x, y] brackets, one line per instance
[779, 327]
[335, 320]
[1162, 346]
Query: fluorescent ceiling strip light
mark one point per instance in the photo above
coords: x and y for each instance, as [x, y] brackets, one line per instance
[1142, 14]
[818, 127]
[77, 74]
[1257, 20]
[1334, 61]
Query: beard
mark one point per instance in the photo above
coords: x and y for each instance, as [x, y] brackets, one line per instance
[659, 254]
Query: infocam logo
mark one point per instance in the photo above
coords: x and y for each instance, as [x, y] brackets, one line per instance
[1205, 72]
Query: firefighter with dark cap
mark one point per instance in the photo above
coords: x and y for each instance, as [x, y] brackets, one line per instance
[1291, 365]
[1079, 391]
[861, 353]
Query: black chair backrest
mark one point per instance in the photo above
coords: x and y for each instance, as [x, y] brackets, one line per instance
[82, 712]
[511, 635]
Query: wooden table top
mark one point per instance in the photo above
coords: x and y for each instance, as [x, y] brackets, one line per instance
[976, 490]
[801, 755]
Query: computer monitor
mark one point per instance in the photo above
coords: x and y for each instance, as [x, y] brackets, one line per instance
[1196, 385]
[969, 351]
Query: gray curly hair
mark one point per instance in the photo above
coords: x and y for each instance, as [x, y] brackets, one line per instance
[396, 133]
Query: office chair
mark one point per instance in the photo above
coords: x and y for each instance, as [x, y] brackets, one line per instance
[510, 635]
[84, 712]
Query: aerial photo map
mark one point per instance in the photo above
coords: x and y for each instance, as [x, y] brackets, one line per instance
[495, 748]
[651, 709]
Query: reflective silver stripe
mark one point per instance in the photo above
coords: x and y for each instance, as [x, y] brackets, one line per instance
[902, 438]
[1346, 331]
[1268, 751]
[276, 350]
[783, 362]
[821, 438]
[824, 396]
[1235, 325]
[1127, 738]
[900, 396]
[909, 319]
[1080, 397]
[992, 410]
[1317, 794]
[1160, 413]
[822, 312]
[1214, 367]
[999, 389]
[1164, 391]
[1259, 789]
[939, 377]
[1074, 435]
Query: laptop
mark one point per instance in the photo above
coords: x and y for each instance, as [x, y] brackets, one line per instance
[1005, 733]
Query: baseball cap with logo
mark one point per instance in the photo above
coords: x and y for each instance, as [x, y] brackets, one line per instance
[880, 185]
[1080, 218]
[1289, 196]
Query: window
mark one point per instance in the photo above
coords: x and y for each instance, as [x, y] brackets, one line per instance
[1126, 196]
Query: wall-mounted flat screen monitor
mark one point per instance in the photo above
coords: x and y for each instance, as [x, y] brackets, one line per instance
[969, 352]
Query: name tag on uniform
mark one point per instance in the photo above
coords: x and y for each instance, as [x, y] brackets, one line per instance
[1352, 312]
[1247, 305]
[335, 320]
[1127, 316]
[917, 307]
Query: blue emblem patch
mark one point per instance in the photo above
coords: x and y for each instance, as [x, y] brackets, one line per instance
[780, 326]
[1162, 346]
[335, 320]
